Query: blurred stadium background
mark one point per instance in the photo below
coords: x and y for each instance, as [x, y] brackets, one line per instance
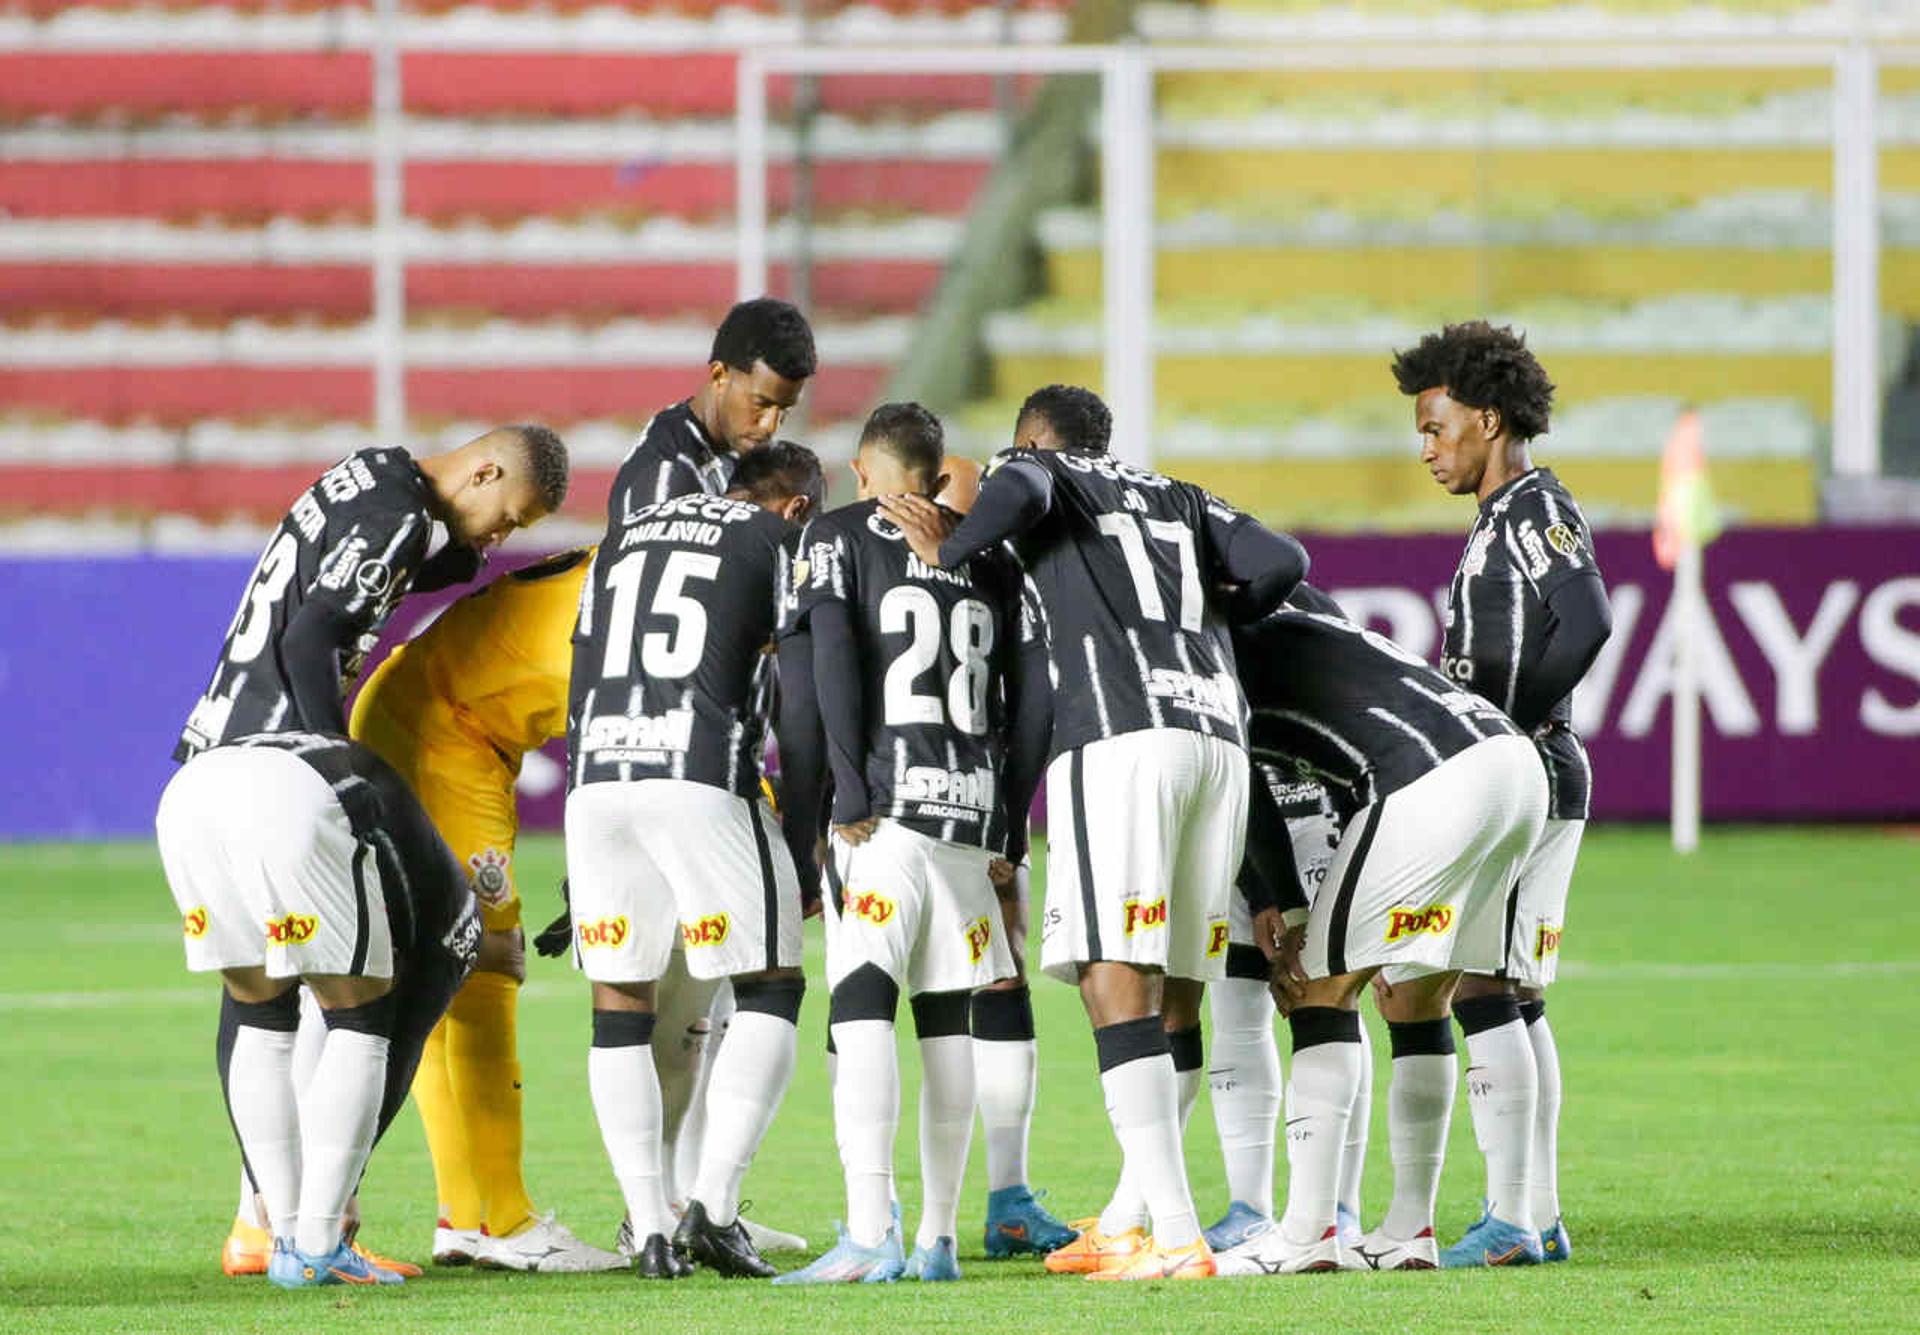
[240, 238]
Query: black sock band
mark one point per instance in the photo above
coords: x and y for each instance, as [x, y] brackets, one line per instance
[1314, 1025]
[1184, 1044]
[940, 1014]
[375, 1017]
[1479, 1014]
[622, 1029]
[1421, 1038]
[1128, 1041]
[778, 997]
[1532, 1012]
[865, 994]
[1247, 963]
[1003, 1016]
[281, 1015]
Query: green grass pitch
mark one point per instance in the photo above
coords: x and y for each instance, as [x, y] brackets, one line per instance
[1741, 1142]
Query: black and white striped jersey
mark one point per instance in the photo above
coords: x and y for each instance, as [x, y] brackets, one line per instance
[1341, 705]
[1120, 567]
[354, 540]
[673, 457]
[670, 647]
[1528, 539]
[430, 902]
[935, 648]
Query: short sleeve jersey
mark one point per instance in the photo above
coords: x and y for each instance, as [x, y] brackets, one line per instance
[671, 646]
[1528, 539]
[353, 540]
[1119, 567]
[934, 649]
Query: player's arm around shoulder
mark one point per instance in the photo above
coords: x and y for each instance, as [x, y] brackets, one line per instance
[1257, 566]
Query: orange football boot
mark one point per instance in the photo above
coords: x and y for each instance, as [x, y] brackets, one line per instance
[246, 1249]
[1094, 1251]
[1194, 1261]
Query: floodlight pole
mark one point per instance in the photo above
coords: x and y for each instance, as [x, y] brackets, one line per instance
[1126, 214]
[389, 229]
[1856, 258]
[1689, 622]
[750, 174]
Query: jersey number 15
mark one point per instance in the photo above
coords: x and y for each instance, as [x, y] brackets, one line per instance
[671, 654]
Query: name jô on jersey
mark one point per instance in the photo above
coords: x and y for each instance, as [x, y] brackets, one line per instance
[611, 738]
[1216, 696]
[970, 791]
[918, 569]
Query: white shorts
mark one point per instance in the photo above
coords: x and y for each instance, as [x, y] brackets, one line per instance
[655, 862]
[1420, 881]
[1314, 840]
[266, 871]
[919, 909]
[1146, 835]
[1540, 905]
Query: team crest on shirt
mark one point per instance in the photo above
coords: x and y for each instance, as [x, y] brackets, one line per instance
[1138, 917]
[876, 909]
[1475, 561]
[602, 932]
[295, 929]
[708, 931]
[979, 937]
[1216, 939]
[1546, 941]
[487, 870]
[194, 923]
[1560, 537]
[1437, 919]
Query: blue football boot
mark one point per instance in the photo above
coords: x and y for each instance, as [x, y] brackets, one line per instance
[1240, 1222]
[848, 1263]
[1018, 1225]
[1554, 1244]
[935, 1264]
[1492, 1242]
[292, 1269]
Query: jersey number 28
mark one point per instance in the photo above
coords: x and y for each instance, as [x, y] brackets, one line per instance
[906, 610]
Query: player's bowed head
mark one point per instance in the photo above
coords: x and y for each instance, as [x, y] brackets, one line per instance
[902, 451]
[1479, 396]
[507, 479]
[762, 358]
[782, 478]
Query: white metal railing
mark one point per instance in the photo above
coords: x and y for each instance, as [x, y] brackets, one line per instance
[1853, 49]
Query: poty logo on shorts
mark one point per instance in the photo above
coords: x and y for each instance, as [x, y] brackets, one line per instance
[194, 923]
[979, 937]
[604, 932]
[1546, 941]
[296, 929]
[1411, 922]
[1216, 940]
[876, 909]
[1138, 917]
[709, 931]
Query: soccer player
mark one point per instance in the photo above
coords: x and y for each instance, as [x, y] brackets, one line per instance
[352, 545]
[1446, 798]
[669, 840]
[1243, 1069]
[299, 858]
[1148, 764]
[454, 711]
[1527, 615]
[912, 673]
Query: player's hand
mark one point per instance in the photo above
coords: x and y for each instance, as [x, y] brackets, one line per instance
[503, 952]
[810, 905]
[554, 939]
[1001, 873]
[925, 524]
[1382, 989]
[1288, 981]
[1268, 928]
[858, 832]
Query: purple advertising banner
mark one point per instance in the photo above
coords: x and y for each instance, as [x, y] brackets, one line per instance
[1810, 684]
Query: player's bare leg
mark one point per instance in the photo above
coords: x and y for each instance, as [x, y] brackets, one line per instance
[1503, 1092]
[626, 1102]
[751, 1068]
[1419, 1110]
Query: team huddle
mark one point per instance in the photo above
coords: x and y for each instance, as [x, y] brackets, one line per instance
[1255, 806]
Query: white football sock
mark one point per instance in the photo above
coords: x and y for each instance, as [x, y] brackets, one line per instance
[1006, 1076]
[1419, 1110]
[1545, 1175]
[1503, 1094]
[1143, 1102]
[751, 1070]
[308, 1040]
[1353, 1157]
[946, 1129]
[626, 1103]
[266, 1117]
[690, 1137]
[1319, 1103]
[1128, 1206]
[339, 1110]
[866, 1119]
[1244, 1076]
